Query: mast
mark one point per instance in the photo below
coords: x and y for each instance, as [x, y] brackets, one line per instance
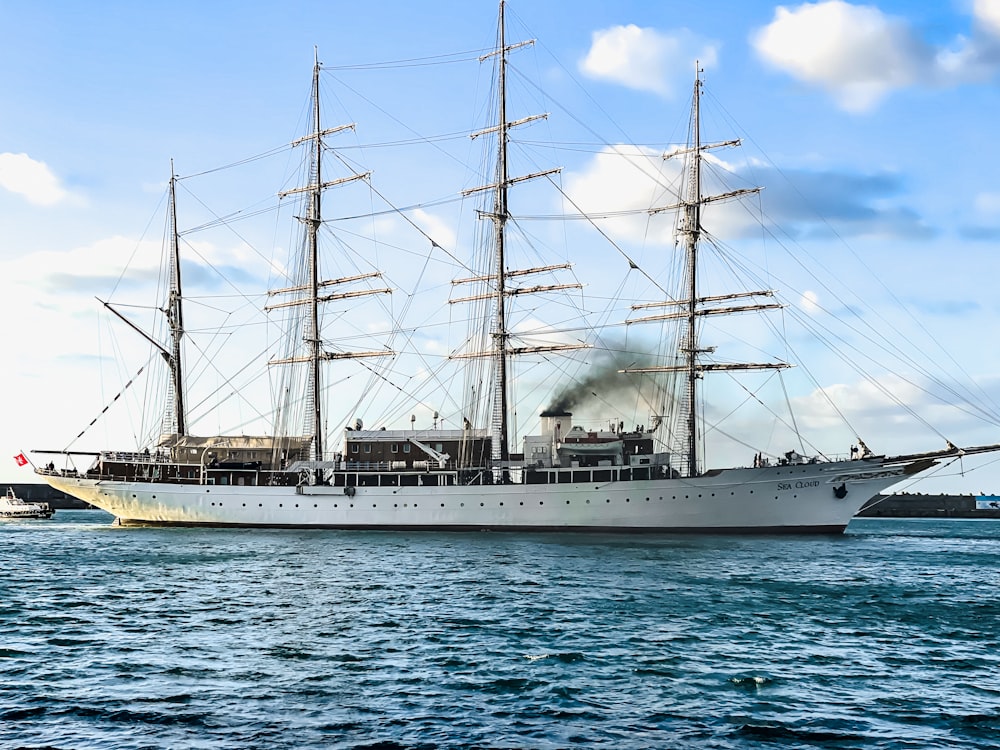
[690, 309]
[496, 280]
[500, 214]
[175, 317]
[692, 234]
[311, 287]
[313, 221]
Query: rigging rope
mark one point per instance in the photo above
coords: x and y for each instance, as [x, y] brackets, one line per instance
[108, 406]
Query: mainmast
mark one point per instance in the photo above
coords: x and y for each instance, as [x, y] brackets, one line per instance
[496, 280]
[500, 217]
[310, 290]
[692, 308]
[312, 222]
[175, 316]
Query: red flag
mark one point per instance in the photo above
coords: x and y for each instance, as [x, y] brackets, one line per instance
[21, 460]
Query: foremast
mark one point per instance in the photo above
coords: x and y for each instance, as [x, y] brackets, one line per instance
[175, 318]
[174, 422]
[310, 291]
[691, 309]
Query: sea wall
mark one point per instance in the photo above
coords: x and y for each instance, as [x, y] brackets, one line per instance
[905, 505]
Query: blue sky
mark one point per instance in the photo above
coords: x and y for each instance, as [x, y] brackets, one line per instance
[872, 128]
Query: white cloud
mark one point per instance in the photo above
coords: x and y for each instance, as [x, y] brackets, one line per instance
[857, 53]
[987, 13]
[626, 180]
[987, 204]
[621, 183]
[436, 228]
[860, 55]
[643, 58]
[809, 302]
[21, 174]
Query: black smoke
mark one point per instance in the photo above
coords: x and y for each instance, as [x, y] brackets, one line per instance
[601, 380]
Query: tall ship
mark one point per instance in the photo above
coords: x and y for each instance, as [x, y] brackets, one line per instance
[471, 469]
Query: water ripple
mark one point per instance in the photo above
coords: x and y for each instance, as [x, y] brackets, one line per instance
[888, 637]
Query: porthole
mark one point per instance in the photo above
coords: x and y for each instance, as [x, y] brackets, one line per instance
[501, 503]
[244, 505]
[316, 506]
[481, 504]
[462, 505]
[608, 500]
[442, 505]
[627, 500]
[522, 502]
[394, 505]
[567, 502]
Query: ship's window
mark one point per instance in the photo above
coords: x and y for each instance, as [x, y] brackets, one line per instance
[438, 447]
[394, 448]
[368, 448]
[406, 447]
[354, 448]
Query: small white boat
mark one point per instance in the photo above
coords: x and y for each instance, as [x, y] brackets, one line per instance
[11, 507]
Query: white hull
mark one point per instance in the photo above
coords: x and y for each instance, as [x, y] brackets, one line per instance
[794, 498]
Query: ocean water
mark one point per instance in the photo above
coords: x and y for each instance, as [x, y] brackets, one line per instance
[886, 637]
